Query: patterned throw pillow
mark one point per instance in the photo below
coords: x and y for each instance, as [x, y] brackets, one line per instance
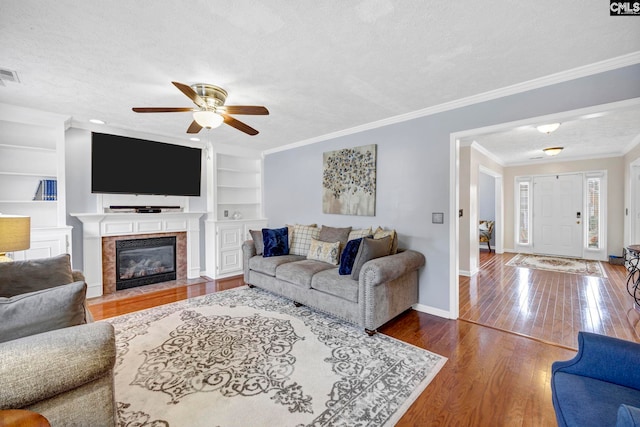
[276, 242]
[301, 242]
[348, 256]
[380, 233]
[324, 251]
[357, 234]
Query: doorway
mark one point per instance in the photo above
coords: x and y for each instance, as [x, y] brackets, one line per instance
[557, 215]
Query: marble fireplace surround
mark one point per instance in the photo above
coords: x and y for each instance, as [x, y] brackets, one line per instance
[98, 228]
[109, 257]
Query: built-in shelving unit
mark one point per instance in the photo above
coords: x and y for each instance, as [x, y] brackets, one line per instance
[235, 184]
[31, 150]
[238, 187]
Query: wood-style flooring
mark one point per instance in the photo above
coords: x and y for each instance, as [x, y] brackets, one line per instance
[491, 378]
[546, 305]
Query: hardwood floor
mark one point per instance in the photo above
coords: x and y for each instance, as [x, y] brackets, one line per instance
[546, 305]
[491, 378]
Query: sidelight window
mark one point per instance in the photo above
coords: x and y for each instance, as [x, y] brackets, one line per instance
[523, 215]
[593, 212]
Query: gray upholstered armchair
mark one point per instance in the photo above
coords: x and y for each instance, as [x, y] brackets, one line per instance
[53, 359]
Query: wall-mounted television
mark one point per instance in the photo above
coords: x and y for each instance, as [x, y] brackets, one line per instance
[123, 165]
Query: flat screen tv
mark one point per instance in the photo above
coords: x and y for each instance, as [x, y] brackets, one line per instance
[123, 165]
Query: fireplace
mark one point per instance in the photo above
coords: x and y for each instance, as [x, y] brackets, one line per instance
[142, 262]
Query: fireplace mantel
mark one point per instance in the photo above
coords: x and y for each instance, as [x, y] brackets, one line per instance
[98, 225]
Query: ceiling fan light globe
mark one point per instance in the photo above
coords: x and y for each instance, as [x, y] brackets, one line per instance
[548, 128]
[208, 119]
[553, 151]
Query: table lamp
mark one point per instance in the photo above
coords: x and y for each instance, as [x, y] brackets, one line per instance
[15, 235]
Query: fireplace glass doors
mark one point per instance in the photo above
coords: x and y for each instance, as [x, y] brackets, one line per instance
[145, 261]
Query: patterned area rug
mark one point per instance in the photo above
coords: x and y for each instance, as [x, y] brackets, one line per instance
[562, 265]
[245, 357]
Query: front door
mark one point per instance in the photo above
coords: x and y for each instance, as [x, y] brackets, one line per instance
[557, 215]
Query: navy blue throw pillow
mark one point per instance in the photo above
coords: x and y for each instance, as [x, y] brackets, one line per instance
[276, 241]
[348, 256]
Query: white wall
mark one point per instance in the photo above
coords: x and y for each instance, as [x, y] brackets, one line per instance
[414, 171]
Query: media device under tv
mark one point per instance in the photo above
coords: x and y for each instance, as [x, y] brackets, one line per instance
[123, 165]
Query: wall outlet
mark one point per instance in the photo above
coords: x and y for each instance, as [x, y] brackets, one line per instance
[226, 214]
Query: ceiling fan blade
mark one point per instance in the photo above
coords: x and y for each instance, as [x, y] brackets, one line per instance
[191, 94]
[239, 125]
[161, 109]
[194, 127]
[255, 110]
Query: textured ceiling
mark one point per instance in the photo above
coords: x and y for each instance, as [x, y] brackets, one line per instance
[318, 66]
[605, 133]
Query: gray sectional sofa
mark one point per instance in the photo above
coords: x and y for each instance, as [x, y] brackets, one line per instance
[386, 286]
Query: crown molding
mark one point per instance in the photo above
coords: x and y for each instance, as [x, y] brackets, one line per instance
[561, 77]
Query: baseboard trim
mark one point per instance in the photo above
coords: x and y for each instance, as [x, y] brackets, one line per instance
[433, 311]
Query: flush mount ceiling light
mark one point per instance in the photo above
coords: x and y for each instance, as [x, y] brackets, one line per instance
[194, 139]
[548, 128]
[208, 119]
[553, 151]
[97, 121]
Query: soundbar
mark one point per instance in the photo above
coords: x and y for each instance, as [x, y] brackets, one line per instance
[143, 209]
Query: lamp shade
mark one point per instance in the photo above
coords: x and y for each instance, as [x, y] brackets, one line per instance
[208, 119]
[15, 233]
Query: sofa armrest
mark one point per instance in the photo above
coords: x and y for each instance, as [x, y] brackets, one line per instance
[390, 267]
[604, 358]
[628, 416]
[41, 366]
[78, 276]
[248, 251]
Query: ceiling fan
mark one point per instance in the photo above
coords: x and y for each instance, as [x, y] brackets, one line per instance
[210, 111]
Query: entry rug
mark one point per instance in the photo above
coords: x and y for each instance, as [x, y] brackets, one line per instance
[561, 265]
[245, 357]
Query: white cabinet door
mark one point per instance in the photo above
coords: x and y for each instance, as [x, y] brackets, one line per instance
[230, 248]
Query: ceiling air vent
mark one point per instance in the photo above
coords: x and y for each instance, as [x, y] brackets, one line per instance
[8, 76]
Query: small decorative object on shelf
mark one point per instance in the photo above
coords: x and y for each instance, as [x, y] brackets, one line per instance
[47, 190]
[236, 215]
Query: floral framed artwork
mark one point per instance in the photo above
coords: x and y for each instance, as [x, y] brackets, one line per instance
[349, 181]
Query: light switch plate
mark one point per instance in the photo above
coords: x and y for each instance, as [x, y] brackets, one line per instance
[437, 217]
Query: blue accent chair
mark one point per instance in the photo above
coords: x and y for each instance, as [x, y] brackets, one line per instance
[600, 386]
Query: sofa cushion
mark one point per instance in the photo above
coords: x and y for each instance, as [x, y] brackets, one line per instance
[331, 282]
[324, 251]
[256, 236]
[270, 264]
[370, 249]
[276, 241]
[333, 234]
[20, 277]
[301, 272]
[41, 311]
[586, 401]
[301, 242]
[348, 256]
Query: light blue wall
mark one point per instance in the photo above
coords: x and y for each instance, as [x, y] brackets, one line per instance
[486, 197]
[413, 169]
